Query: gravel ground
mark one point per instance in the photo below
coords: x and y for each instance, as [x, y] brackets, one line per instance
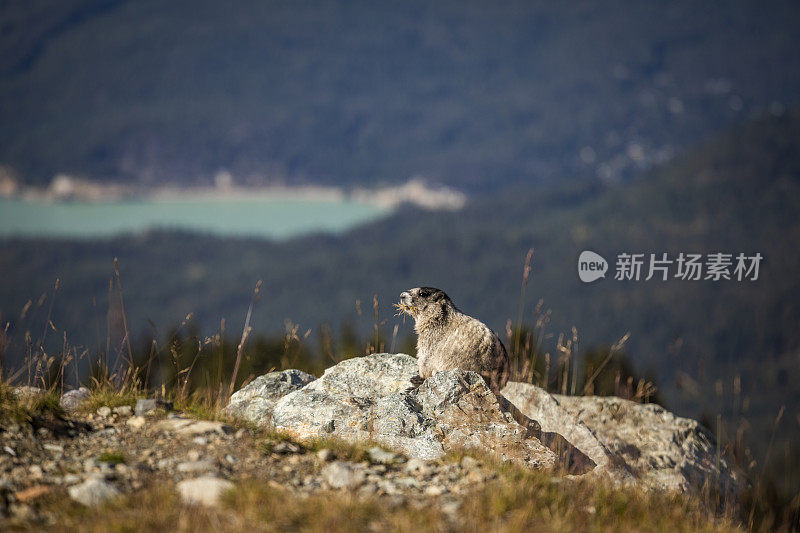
[95, 457]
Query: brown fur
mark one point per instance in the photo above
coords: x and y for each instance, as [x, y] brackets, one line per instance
[449, 339]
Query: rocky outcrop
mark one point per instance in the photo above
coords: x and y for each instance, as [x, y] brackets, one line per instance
[643, 443]
[374, 398]
[256, 400]
[377, 398]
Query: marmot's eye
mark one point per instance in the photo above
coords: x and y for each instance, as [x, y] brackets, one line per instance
[424, 293]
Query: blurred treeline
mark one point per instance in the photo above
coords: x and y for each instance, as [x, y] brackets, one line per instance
[722, 348]
[481, 95]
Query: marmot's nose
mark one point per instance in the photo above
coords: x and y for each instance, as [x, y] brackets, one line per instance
[405, 296]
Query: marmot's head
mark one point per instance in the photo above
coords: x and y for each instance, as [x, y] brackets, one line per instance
[426, 305]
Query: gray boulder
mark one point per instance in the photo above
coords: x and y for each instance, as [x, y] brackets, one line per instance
[376, 399]
[72, 400]
[93, 492]
[26, 392]
[643, 443]
[256, 400]
[373, 399]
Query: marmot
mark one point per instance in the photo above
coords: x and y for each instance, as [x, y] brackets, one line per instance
[448, 339]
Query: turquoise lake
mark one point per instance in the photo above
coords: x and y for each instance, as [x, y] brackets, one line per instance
[273, 218]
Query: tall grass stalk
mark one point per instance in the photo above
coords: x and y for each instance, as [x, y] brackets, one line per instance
[245, 334]
[526, 272]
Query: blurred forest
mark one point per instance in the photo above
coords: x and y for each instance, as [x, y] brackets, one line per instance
[479, 95]
[711, 347]
[657, 127]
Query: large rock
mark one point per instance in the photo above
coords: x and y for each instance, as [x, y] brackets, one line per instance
[256, 400]
[376, 399]
[640, 442]
[373, 399]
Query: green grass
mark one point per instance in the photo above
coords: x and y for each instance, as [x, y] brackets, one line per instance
[28, 407]
[109, 396]
[111, 457]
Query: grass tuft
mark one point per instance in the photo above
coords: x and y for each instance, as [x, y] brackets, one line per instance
[27, 408]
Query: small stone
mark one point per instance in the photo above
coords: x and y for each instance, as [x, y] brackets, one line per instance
[202, 441]
[451, 507]
[381, 456]
[136, 422]
[25, 392]
[10, 451]
[145, 406]
[407, 482]
[93, 492]
[388, 486]
[56, 448]
[342, 475]
[71, 479]
[435, 490]
[35, 471]
[285, 447]
[193, 455]
[72, 400]
[231, 459]
[325, 455]
[104, 411]
[415, 464]
[203, 490]
[202, 465]
[123, 410]
[368, 489]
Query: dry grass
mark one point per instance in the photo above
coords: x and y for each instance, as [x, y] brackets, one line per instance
[27, 408]
[518, 500]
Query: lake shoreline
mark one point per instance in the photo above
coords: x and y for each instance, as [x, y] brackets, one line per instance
[259, 217]
[66, 188]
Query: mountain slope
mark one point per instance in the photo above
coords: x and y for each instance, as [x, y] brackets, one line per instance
[478, 95]
[723, 347]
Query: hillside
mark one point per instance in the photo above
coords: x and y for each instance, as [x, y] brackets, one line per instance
[474, 94]
[712, 347]
[99, 460]
[737, 194]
